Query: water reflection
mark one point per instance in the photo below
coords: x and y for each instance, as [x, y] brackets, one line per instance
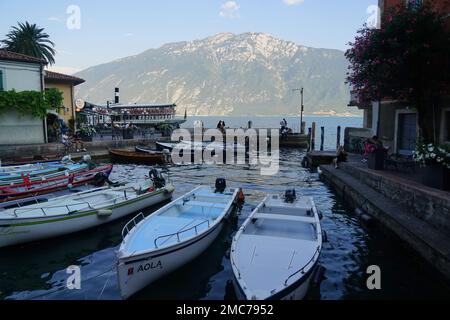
[38, 270]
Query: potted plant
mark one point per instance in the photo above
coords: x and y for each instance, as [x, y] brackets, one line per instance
[435, 163]
[86, 132]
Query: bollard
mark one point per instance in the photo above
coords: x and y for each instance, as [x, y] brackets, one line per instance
[322, 137]
[309, 139]
[338, 138]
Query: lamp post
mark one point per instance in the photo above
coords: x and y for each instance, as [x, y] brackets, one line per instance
[301, 109]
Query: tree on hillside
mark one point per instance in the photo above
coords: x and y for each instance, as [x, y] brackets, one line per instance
[30, 40]
[407, 60]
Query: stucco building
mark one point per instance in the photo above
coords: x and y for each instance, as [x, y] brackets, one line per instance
[21, 73]
[66, 84]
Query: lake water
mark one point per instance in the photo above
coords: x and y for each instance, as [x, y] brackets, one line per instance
[38, 270]
[330, 125]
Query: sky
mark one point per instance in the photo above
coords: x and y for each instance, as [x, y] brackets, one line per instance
[92, 32]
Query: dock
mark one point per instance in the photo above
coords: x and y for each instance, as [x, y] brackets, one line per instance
[294, 140]
[318, 158]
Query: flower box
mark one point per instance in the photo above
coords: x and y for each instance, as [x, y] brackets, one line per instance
[436, 176]
[376, 160]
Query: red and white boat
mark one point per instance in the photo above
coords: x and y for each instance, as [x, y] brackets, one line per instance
[35, 188]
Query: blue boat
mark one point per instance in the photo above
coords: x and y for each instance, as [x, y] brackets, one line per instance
[41, 174]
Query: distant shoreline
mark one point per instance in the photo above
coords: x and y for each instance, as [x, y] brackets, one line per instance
[282, 115]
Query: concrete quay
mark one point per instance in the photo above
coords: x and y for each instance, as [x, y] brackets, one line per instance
[418, 215]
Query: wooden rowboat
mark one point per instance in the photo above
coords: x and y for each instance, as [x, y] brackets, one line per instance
[123, 155]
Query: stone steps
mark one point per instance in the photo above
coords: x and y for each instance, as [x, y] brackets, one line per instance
[428, 204]
[430, 243]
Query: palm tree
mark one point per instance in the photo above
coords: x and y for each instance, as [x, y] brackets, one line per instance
[30, 40]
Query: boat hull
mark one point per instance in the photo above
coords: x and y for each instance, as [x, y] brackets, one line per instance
[27, 230]
[37, 188]
[136, 272]
[43, 174]
[296, 291]
[134, 275]
[122, 156]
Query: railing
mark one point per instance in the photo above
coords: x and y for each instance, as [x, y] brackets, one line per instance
[302, 270]
[52, 207]
[89, 206]
[181, 232]
[132, 221]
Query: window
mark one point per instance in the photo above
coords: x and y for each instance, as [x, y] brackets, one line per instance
[1, 81]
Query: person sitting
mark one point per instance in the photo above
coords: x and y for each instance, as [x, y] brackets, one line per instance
[341, 156]
[78, 141]
[373, 144]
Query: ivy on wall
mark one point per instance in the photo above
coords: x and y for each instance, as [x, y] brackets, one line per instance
[34, 103]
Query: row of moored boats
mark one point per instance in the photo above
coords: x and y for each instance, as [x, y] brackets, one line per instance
[274, 255]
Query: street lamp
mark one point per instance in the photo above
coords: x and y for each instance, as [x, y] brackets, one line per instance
[301, 109]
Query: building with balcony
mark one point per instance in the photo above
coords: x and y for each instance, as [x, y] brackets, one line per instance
[395, 122]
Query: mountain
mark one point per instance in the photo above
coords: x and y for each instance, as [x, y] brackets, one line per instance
[226, 74]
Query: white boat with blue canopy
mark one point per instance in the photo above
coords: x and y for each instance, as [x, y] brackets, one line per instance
[41, 174]
[76, 212]
[156, 245]
[276, 251]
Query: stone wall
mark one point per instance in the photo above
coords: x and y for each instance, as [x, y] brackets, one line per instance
[428, 204]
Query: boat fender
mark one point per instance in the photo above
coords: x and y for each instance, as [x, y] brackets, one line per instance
[324, 236]
[241, 195]
[318, 275]
[104, 212]
[169, 189]
[305, 162]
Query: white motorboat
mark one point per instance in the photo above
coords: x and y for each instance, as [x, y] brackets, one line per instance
[80, 211]
[171, 237]
[276, 251]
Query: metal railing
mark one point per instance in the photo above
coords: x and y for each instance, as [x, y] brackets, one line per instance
[177, 234]
[302, 270]
[52, 207]
[89, 206]
[132, 221]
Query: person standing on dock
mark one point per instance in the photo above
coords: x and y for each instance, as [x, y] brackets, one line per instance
[284, 128]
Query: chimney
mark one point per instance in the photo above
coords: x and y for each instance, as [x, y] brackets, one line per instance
[117, 96]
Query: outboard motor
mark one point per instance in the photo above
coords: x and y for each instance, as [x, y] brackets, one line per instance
[221, 185]
[100, 179]
[158, 180]
[290, 196]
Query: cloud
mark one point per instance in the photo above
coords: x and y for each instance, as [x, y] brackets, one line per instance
[229, 9]
[293, 2]
[56, 19]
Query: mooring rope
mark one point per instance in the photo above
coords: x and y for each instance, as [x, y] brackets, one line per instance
[59, 289]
